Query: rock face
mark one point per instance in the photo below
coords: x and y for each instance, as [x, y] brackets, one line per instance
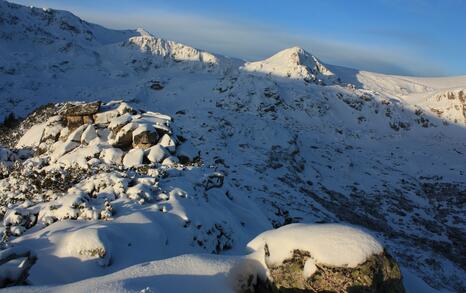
[77, 114]
[380, 273]
[144, 137]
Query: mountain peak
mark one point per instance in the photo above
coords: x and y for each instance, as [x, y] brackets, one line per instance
[295, 63]
[293, 55]
[143, 32]
[294, 49]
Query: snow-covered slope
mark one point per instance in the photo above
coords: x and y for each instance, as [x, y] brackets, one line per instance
[294, 139]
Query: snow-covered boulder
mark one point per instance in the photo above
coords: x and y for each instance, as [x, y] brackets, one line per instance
[15, 265]
[157, 153]
[53, 128]
[112, 156]
[61, 148]
[124, 108]
[133, 158]
[78, 113]
[77, 133]
[118, 122]
[187, 152]
[32, 137]
[86, 244]
[324, 258]
[168, 142]
[88, 134]
[80, 156]
[105, 117]
[170, 161]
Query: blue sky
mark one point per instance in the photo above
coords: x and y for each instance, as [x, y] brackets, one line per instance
[414, 37]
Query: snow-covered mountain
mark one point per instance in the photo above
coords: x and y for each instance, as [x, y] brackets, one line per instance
[294, 63]
[293, 140]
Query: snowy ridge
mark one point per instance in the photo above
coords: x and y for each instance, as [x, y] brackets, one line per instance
[176, 52]
[165, 49]
[44, 25]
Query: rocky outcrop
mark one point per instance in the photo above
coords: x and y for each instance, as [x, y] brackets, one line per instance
[77, 114]
[450, 106]
[82, 134]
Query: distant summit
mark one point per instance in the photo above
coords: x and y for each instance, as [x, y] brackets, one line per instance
[293, 63]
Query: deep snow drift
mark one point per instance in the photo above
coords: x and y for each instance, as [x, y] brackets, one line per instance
[284, 140]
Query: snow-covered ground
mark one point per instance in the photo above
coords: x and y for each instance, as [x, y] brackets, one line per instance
[291, 139]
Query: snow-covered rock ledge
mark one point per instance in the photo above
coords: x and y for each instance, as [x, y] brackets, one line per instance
[85, 134]
[317, 258]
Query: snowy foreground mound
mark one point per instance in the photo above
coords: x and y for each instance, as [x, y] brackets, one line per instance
[335, 246]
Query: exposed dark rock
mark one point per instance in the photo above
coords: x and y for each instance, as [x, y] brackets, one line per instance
[145, 139]
[157, 85]
[214, 180]
[79, 114]
[380, 273]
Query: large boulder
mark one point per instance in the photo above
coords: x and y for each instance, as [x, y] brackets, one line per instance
[87, 244]
[157, 153]
[77, 114]
[112, 156]
[88, 134]
[15, 264]
[187, 153]
[133, 158]
[124, 137]
[321, 258]
[118, 122]
[168, 142]
[144, 136]
[380, 273]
